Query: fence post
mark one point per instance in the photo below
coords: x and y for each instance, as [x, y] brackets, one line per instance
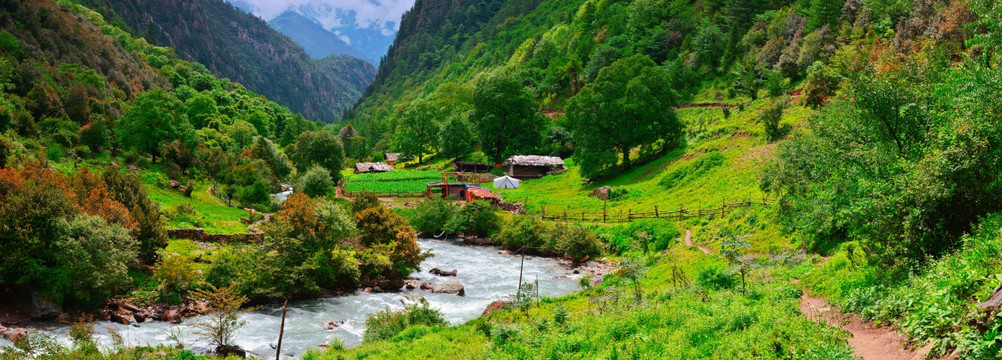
[656, 214]
[723, 205]
[629, 217]
[605, 204]
[582, 216]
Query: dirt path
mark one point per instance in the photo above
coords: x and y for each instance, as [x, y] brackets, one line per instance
[688, 242]
[208, 192]
[868, 342]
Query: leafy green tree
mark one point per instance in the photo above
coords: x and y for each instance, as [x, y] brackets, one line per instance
[316, 182]
[265, 150]
[93, 258]
[242, 133]
[708, 47]
[200, 109]
[322, 148]
[988, 38]
[152, 119]
[151, 231]
[506, 119]
[457, 138]
[629, 105]
[824, 12]
[418, 129]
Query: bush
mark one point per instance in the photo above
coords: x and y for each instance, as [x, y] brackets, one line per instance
[150, 231]
[715, 277]
[577, 242]
[387, 324]
[433, 214]
[770, 120]
[524, 231]
[316, 182]
[176, 277]
[478, 218]
[379, 226]
[364, 201]
[93, 258]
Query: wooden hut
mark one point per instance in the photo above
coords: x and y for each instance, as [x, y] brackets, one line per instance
[534, 166]
[471, 167]
[460, 191]
[362, 168]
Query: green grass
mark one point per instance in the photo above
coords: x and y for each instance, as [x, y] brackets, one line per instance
[210, 213]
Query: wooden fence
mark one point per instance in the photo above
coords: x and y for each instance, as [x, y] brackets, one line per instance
[394, 194]
[658, 213]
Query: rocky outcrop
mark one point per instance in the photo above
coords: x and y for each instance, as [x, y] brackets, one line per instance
[495, 306]
[42, 308]
[13, 334]
[449, 287]
[601, 193]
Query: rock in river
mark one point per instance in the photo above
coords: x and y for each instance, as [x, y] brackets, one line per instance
[450, 287]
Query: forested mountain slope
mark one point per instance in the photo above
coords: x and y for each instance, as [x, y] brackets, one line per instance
[243, 48]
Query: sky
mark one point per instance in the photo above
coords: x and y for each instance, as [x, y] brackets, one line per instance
[367, 12]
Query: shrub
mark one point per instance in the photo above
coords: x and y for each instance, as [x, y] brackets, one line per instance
[316, 182]
[363, 201]
[379, 226]
[577, 242]
[176, 277]
[387, 323]
[93, 258]
[523, 231]
[770, 120]
[478, 218]
[715, 277]
[433, 214]
[150, 231]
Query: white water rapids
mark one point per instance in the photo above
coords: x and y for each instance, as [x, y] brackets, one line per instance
[486, 274]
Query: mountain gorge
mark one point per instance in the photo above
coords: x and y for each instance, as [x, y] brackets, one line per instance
[317, 41]
[243, 48]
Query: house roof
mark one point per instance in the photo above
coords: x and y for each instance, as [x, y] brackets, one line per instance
[534, 160]
[372, 167]
[481, 193]
[391, 156]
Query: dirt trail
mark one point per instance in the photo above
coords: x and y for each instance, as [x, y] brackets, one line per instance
[868, 342]
[688, 242]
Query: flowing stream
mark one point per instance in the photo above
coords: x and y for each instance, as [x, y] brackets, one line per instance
[486, 274]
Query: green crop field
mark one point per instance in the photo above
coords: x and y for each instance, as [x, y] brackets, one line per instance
[393, 181]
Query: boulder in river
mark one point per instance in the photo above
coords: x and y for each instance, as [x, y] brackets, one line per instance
[497, 305]
[441, 272]
[450, 287]
[172, 316]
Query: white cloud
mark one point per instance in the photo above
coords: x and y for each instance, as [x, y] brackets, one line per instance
[367, 12]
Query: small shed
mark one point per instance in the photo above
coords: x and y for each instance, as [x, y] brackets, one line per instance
[534, 166]
[391, 158]
[362, 168]
[459, 191]
[506, 182]
[471, 167]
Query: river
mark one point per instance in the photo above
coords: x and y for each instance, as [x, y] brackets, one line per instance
[485, 272]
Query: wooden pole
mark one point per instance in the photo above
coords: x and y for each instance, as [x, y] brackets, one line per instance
[520, 267]
[281, 332]
[605, 204]
[656, 214]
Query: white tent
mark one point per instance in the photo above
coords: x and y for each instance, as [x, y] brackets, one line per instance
[506, 182]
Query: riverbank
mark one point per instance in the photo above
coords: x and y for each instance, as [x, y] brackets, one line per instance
[487, 274]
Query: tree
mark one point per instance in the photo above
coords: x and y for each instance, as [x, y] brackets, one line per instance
[77, 104]
[506, 119]
[629, 105]
[418, 128]
[221, 322]
[379, 228]
[151, 231]
[457, 138]
[200, 109]
[93, 258]
[265, 150]
[322, 148]
[316, 182]
[152, 119]
[824, 12]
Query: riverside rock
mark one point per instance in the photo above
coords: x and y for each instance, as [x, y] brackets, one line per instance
[450, 287]
[441, 272]
[42, 308]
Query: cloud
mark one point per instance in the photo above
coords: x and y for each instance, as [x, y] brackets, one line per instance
[332, 13]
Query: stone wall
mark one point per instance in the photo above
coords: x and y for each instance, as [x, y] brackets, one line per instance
[198, 234]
